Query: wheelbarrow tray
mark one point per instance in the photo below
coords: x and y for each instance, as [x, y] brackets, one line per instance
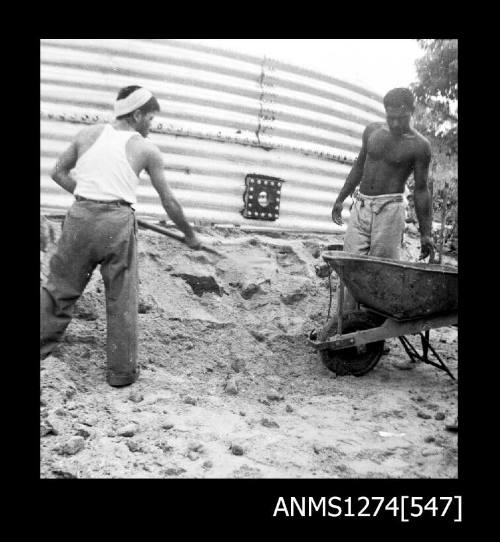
[400, 290]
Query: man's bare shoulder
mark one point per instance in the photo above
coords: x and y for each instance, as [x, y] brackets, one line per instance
[373, 127]
[144, 146]
[422, 144]
[87, 136]
[89, 131]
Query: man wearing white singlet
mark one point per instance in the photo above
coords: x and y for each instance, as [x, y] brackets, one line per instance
[101, 168]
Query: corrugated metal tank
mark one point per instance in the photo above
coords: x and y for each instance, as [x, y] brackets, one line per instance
[223, 115]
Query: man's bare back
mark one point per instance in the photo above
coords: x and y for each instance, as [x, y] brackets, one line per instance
[390, 159]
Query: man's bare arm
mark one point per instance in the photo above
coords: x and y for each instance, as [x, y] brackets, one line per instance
[422, 198]
[173, 208]
[353, 179]
[65, 163]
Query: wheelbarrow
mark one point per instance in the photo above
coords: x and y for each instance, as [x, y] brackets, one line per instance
[395, 299]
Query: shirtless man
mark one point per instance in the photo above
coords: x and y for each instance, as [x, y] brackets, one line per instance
[390, 152]
[101, 168]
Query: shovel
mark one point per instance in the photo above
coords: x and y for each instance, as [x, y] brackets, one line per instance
[174, 235]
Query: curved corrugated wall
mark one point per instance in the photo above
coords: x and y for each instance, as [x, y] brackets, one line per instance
[223, 115]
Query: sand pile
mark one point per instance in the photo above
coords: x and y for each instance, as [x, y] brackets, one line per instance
[229, 385]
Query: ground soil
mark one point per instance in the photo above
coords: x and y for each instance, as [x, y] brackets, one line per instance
[229, 385]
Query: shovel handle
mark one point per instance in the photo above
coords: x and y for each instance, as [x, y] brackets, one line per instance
[159, 229]
[174, 235]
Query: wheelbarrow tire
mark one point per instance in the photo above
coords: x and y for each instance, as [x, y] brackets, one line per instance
[351, 361]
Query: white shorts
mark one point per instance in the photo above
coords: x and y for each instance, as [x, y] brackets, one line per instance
[376, 226]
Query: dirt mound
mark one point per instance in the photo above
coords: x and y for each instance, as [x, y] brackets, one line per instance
[229, 385]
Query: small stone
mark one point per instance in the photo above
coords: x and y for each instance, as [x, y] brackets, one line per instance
[189, 400]
[430, 439]
[264, 402]
[51, 360]
[242, 413]
[72, 446]
[288, 408]
[452, 426]
[64, 473]
[60, 412]
[427, 453]
[46, 428]
[258, 336]
[193, 455]
[82, 431]
[291, 298]
[43, 403]
[238, 365]
[127, 430]
[164, 446]
[439, 416]
[268, 423]
[167, 425]
[274, 396]
[423, 415]
[196, 447]
[133, 446]
[232, 387]
[249, 290]
[144, 307]
[403, 365]
[136, 397]
[70, 392]
[322, 271]
[236, 449]
[90, 421]
[174, 471]
[207, 465]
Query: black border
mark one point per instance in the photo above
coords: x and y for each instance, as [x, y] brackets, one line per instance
[249, 501]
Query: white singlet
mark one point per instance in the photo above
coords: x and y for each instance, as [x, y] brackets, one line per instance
[103, 171]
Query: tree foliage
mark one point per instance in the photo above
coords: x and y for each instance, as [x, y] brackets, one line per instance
[436, 116]
[436, 91]
[438, 70]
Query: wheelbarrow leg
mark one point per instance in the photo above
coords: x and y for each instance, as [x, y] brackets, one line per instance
[410, 349]
[340, 306]
[442, 364]
[339, 315]
[426, 346]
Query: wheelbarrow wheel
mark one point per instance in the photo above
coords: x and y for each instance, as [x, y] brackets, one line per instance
[354, 361]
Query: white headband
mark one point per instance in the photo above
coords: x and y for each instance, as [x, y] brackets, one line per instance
[132, 102]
